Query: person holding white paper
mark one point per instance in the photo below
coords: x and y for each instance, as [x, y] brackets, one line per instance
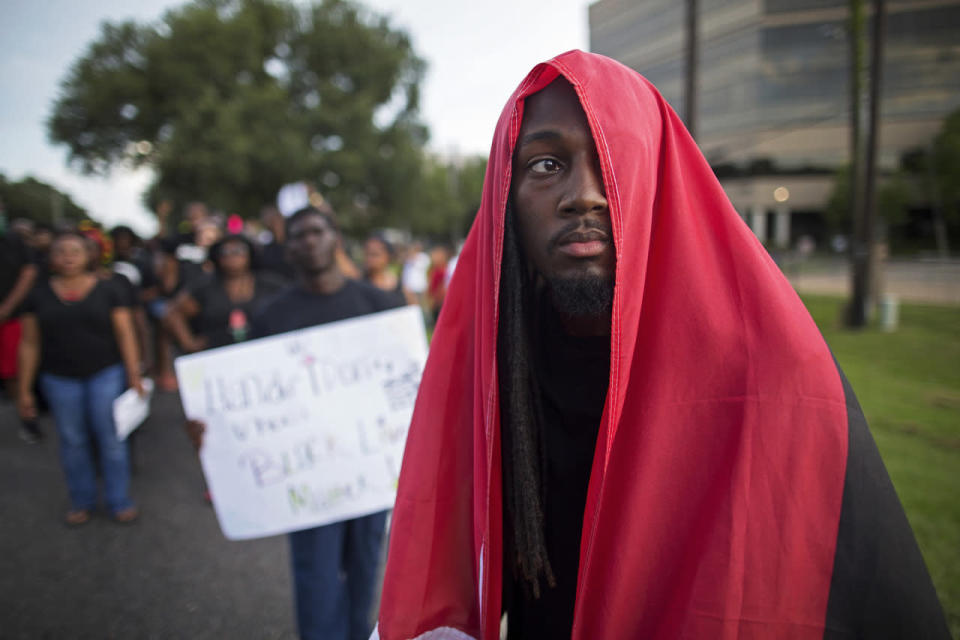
[78, 333]
[327, 605]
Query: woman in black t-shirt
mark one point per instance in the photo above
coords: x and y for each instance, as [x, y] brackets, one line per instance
[378, 255]
[216, 312]
[78, 334]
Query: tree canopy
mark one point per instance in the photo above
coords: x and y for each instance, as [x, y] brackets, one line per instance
[928, 176]
[227, 100]
[944, 167]
[37, 201]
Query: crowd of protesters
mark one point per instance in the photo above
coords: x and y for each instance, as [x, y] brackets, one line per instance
[86, 314]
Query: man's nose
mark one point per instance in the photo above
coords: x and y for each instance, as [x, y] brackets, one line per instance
[585, 192]
[312, 238]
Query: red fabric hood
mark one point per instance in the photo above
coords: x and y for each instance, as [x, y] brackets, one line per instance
[717, 479]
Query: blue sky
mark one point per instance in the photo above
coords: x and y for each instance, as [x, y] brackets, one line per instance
[477, 52]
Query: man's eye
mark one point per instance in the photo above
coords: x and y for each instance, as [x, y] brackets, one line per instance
[546, 165]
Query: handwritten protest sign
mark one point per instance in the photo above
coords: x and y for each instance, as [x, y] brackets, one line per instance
[308, 427]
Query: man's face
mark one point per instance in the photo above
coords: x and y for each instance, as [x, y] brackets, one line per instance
[558, 196]
[122, 244]
[42, 239]
[311, 244]
[207, 233]
[196, 213]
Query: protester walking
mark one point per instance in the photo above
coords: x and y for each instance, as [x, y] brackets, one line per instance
[17, 275]
[133, 265]
[378, 258]
[216, 311]
[273, 255]
[334, 565]
[437, 279]
[78, 335]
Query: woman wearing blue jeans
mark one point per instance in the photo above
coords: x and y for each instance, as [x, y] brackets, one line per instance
[78, 334]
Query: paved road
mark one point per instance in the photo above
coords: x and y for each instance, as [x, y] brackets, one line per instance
[170, 575]
[911, 281]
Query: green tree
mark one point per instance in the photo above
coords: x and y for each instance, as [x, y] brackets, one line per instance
[227, 100]
[945, 168]
[38, 201]
[450, 196]
[933, 171]
[895, 192]
[837, 212]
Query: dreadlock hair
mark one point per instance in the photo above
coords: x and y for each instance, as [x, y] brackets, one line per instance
[521, 417]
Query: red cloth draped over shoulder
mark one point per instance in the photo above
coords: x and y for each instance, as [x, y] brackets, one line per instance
[718, 474]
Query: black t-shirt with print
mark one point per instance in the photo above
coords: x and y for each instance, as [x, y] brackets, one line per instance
[221, 321]
[77, 338]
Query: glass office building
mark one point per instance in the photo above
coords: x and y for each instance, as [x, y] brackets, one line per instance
[773, 85]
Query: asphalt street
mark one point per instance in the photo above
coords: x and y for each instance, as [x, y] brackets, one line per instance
[171, 574]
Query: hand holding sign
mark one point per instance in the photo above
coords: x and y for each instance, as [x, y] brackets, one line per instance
[305, 428]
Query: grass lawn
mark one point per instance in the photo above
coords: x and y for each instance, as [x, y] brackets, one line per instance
[908, 383]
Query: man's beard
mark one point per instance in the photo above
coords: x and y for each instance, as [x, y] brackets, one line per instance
[588, 295]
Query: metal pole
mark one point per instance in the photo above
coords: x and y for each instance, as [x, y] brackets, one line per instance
[856, 312]
[690, 95]
[870, 160]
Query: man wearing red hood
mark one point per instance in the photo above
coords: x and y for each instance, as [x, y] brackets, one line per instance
[628, 425]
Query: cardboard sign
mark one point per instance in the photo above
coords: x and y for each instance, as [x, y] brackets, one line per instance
[306, 428]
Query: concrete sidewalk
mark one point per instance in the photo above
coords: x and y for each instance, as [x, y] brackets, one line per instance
[926, 282]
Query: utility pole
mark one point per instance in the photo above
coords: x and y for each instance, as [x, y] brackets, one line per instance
[690, 95]
[859, 245]
[864, 156]
[874, 258]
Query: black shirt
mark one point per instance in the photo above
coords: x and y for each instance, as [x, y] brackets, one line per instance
[77, 338]
[296, 308]
[220, 320]
[14, 257]
[138, 271]
[273, 258]
[190, 258]
[396, 293]
[573, 374]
